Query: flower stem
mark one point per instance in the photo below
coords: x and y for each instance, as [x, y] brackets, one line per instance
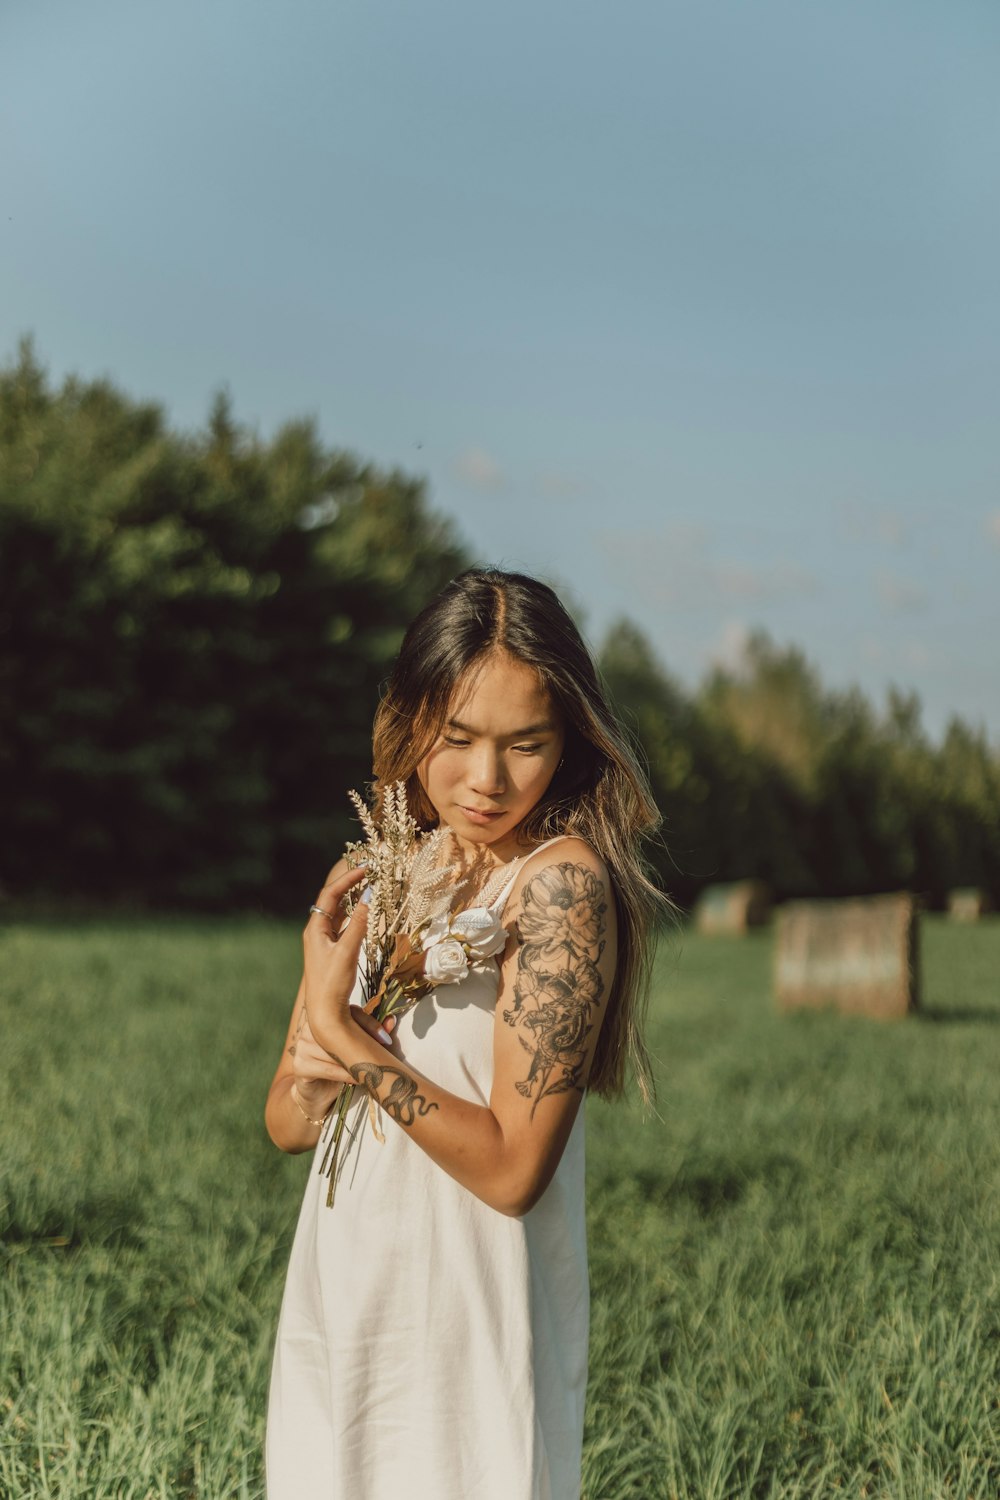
[330, 1155]
[395, 1000]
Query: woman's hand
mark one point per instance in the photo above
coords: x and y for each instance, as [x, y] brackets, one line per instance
[331, 953]
[316, 1078]
[332, 948]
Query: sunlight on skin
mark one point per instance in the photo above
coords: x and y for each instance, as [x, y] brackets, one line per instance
[496, 756]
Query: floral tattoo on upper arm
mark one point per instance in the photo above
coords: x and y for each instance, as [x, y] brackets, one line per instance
[558, 986]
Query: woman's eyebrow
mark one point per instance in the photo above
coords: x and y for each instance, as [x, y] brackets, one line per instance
[546, 727]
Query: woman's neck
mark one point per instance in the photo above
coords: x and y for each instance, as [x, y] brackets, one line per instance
[475, 865]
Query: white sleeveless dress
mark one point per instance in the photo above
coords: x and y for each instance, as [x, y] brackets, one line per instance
[429, 1346]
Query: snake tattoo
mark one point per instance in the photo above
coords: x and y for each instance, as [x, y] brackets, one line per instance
[403, 1101]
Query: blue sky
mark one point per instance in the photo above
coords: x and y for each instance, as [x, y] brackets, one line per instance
[693, 307]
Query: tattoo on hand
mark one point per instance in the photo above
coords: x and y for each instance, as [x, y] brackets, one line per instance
[558, 985]
[402, 1102]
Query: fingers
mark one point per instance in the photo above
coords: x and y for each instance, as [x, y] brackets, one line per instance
[311, 1061]
[326, 915]
[359, 1014]
[313, 1072]
[348, 942]
[331, 956]
[313, 1065]
[331, 897]
[378, 1029]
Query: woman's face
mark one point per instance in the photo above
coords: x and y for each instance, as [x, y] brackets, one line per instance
[495, 757]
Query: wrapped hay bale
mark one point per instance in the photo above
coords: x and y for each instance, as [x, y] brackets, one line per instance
[732, 909]
[968, 904]
[858, 956]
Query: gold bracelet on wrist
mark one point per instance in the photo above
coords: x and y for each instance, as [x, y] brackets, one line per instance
[298, 1105]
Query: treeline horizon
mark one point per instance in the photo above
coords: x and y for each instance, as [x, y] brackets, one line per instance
[194, 629]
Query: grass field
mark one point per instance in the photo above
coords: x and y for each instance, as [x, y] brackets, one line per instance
[795, 1270]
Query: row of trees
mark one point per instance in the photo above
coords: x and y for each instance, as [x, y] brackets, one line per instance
[763, 773]
[192, 636]
[193, 631]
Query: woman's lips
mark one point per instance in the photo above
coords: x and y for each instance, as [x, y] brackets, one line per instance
[481, 817]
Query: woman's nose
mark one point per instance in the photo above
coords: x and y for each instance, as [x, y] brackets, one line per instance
[487, 772]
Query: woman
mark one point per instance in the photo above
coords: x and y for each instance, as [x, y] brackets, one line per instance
[433, 1333]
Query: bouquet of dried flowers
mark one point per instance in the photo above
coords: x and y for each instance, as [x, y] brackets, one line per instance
[413, 941]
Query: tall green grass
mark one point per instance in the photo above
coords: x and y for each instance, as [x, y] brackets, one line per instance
[795, 1270]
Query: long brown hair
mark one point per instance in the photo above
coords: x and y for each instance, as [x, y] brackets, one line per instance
[599, 793]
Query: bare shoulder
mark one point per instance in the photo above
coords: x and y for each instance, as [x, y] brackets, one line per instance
[571, 865]
[556, 977]
[562, 897]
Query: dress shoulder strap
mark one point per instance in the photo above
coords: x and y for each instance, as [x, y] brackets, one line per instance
[501, 900]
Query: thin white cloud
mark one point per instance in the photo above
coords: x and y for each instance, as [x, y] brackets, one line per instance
[556, 486]
[900, 596]
[680, 540]
[905, 657]
[868, 524]
[729, 648]
[780, 580]
[477, 467]
[920, 657]
[674, 567]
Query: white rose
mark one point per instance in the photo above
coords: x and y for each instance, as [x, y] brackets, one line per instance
[446, 962]
[433, 931]
[480, 930]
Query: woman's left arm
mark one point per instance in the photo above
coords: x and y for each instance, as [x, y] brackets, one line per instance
[555, 978]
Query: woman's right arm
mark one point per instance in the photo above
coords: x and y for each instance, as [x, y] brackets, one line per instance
[294, 1120]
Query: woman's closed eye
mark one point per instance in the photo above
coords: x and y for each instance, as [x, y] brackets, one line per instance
[456, 742]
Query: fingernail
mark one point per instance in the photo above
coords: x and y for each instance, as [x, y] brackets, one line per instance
[366, 895]
[384, 1036]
